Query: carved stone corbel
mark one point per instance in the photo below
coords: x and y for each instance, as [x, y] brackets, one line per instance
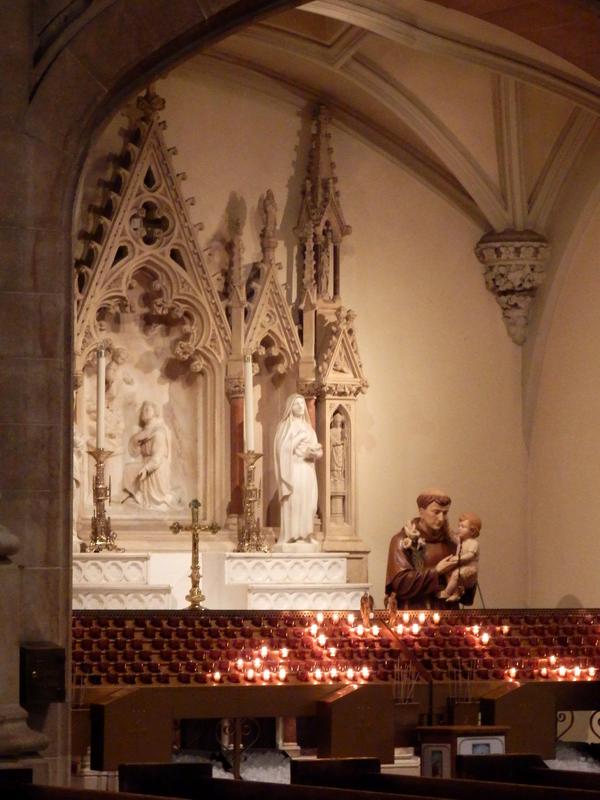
[514, 269]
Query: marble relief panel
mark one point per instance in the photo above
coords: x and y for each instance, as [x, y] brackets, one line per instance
[153, 407]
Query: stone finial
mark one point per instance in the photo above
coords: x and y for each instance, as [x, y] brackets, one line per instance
[268, 208]
[513, 264]
[150, 103]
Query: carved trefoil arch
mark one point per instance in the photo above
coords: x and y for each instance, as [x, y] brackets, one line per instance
[143, 288]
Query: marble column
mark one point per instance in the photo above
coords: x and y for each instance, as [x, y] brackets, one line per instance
[311, 406]
[235, 392]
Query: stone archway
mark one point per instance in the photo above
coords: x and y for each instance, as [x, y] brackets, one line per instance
[65, 85]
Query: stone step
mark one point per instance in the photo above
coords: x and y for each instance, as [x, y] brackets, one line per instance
[318, 597]
[110, 568]
[279, 568]
[123, 596]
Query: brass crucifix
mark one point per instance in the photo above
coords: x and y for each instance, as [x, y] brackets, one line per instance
[195, 596]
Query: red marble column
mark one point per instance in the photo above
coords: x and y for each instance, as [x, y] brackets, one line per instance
[236, 422]
[312, 410]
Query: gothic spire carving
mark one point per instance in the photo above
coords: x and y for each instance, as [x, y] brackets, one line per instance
[321, 223]
[271, 329]
[142, 221]
[339, 365]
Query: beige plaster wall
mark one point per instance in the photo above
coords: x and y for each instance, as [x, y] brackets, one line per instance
[564, 464]
[444, 405]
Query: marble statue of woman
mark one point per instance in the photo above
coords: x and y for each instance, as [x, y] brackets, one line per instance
[296, 450]
[150, 487]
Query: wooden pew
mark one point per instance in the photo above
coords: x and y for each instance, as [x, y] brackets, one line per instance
[206, 789]
[455, 789]
[331, 771]
[164, 780]
[524, 768]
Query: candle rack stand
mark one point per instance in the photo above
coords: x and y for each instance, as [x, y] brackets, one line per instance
[102, 536]
[250, 534]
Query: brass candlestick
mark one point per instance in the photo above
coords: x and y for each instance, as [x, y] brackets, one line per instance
[250, 535]
[102, 536]
[195, 596]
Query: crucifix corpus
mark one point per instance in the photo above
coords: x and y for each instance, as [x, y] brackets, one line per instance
[195, 596]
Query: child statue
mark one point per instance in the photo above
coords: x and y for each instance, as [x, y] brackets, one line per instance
[296, 450]
[464, 574]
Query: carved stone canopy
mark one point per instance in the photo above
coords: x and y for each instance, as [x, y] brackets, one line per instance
[514, 269]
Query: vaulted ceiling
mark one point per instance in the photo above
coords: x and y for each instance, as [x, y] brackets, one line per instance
[453, 90]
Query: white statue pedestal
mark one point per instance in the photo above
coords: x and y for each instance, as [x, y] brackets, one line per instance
[296, 547]
[289, 580]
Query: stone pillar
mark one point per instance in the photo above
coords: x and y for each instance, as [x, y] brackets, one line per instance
[514, 269]
[235, 393]
[35, 386]
[17, 740]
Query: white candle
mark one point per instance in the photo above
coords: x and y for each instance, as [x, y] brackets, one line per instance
[248, 405]
[100, 396]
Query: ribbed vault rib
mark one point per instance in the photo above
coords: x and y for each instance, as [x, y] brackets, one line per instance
[381, 18]
[435, 135]
[510, 149]
[545, 193]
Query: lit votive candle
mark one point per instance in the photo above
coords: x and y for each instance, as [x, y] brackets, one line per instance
[335, 617]
[400, 628]
[436, 618]
[475, 630]
[313, 629]
[322, 640]
[414, 628]
[364, 673]
[318, 674]
[552, 661]
[239, 664]
[577, 671]
[350, 674]
[375, 630]
[351, 619]
[544, 672]
[250, 674]
[257, 662]
[591, 672]
[505, 629]
[332, 651]
[282, 673]
[333, 672]
[264, 651]
[406, 618]
[360, 630]
[266, 675]
[512, 672]
[284, 652]
[485, 638]
[320, 617]
[216, 676]
[422, 617]
[562, 671]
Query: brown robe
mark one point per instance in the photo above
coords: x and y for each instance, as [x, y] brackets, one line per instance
[418, 588]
